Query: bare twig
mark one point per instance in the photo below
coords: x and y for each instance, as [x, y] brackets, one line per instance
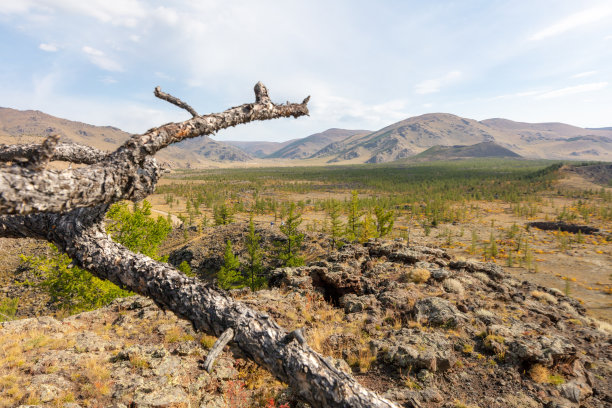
[175, 101]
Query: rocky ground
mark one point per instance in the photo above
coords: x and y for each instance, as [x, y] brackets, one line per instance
[409, 322]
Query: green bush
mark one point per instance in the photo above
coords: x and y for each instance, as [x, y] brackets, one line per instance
[186, 269]
[71, 288]
[8, 309]
[74, 289]
[229, 276]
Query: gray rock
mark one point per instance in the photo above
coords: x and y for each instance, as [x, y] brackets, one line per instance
[429, 351]
[576, 391]
[437, 312]
[213, 401]
[431, 394]
[224, 369]
[440, 274]
[355, 304]
[169, 366]
[154, 395]
[48, 392]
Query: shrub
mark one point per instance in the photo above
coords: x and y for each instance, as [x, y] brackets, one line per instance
[419, 275]
[71, 288]
[453, 286]
[289, 251]
[8, 309]
[544, 297]
[229, 276]
[76, 290]
[186, 268]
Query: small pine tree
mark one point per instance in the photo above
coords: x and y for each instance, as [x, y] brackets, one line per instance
[186, 268]
[136, 229]
[354, 217]
[229, 276]
[384, 221]
[289, 251]
[335, 225]
[492, 246]
[254, 266]
[368, 228]
[223, 214]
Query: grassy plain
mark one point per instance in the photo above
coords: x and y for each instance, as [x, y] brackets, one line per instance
[475, 209]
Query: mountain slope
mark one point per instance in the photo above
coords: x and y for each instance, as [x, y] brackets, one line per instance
[29, 126]
[417, 134]
[306, 147]
[259, 149]
[484, 149]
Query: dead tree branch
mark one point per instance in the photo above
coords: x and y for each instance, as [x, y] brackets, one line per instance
[175, 101]
[67, 208]
[70, 152]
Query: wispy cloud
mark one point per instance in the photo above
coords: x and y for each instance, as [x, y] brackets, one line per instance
[584, 74]
[573, 21]
[101, 60]
[434, 85]
[48, 47]
[571, 90]
[108, 80]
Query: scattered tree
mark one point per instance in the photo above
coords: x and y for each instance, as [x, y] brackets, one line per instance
[289, 251]
[353, 224]
[368, 229]
[223, 214]
[254, 267]
[229, 276]
[335, 225]
[384, 221]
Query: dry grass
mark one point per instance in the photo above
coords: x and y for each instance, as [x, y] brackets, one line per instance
[539, 374]
[544, 297]
[418, 275]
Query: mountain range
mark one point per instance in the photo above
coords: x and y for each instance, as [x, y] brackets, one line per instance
[412, 138]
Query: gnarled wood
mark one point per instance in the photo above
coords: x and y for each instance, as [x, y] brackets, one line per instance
[70, 152]
[74, 221]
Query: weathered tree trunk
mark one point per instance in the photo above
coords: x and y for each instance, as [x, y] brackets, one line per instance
[67, 208]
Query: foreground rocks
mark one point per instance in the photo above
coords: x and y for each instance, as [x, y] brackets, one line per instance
[409, 322]
[477, 334]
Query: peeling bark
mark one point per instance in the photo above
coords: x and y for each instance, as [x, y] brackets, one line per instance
[68, 207]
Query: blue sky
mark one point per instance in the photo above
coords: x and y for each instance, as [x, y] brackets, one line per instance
[366, 64]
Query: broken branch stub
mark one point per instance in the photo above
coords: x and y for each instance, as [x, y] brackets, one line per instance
[67, 208]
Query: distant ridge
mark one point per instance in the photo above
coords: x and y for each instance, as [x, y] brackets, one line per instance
[401, 140]
[306, 147]
[414, 135]
[259, 149]
[31, 126]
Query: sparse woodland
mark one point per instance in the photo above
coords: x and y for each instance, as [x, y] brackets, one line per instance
[68, 207]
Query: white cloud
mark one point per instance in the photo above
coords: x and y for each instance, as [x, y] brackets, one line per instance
[584, 74]
[48, 47]
[573, 21]
[571, 90]
[608, 37]
[108, 80]
[101, 60]
[434, 85]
